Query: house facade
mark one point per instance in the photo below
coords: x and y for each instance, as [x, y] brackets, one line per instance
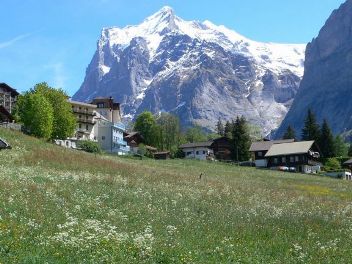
[86, 120]
[198, 150]
[108, 109]
[110, 136]
[303, 156]
[223, 149]
[260, 148]
[8, 99]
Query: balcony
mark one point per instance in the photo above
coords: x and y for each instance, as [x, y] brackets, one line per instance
[84, 112]
[86, 121]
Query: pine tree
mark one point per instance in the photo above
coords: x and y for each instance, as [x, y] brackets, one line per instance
[326, 141]
[311, 129]
[228, 130]
[341, 148]
[220, 128]
[290, 133]
[241, 139]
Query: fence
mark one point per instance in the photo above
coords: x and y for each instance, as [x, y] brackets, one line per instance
[13, 126]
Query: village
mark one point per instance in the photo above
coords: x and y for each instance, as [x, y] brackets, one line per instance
[100, 122]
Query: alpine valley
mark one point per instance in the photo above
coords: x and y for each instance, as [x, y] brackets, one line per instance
[196, 70]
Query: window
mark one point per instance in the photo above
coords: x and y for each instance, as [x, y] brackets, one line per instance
[87, 127]
[296, 158]
[103, 137]
[80, 126]
[79, 116]
[79, 108]
[204, 152]
[197, 152]
[283, 159]
[189, 153]
[276, 160]
[260, 154]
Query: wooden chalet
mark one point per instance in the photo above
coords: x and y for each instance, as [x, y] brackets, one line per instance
[303, 156]
[222, 148]
[260, 148]
[348, 164]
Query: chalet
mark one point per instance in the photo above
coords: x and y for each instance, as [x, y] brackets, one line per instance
[8, 99]
[303, 156]
[198, 150]
[348, 164]
[222, 148]
[133, 139]
[260, 148]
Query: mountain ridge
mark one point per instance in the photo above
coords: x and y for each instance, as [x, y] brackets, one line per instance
[139, 65]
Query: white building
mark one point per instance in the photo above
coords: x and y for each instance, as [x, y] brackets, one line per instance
[198, 150]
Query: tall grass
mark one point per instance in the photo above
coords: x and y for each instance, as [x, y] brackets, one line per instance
[64, 206]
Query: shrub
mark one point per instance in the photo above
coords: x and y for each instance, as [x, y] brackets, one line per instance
[89, 146]
[332, 164]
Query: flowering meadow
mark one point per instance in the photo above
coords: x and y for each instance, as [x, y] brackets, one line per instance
[65, 206]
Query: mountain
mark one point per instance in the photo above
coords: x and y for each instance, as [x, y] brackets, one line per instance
[326, 87]
[196, 70]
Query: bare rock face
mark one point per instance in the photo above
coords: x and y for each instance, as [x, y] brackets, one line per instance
[198, 71]
[326, 87]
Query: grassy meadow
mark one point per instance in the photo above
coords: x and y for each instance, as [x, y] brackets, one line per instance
[64, 206]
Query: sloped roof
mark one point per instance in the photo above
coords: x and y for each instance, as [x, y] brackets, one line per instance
[265, 145]
[9, 89]
[197, 144]
[348, 162]
[289, 148]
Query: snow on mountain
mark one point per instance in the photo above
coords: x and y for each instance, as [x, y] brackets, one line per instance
[132, 62]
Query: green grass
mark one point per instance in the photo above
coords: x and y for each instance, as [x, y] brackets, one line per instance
[65, 206]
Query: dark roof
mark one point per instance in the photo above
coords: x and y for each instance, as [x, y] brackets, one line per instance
[197, 144]
[9, 89]
[289, 148]
[132, 134]
[266, 145]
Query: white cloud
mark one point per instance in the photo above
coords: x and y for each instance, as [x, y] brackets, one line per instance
[14, 40]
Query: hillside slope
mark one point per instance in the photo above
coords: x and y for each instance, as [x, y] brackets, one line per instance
[196, 70]
[64, 206]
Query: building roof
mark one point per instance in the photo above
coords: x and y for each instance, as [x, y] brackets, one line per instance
[9, 89]
[197, 144]
[82, 104]
[132, 134]
[348, 162]
[265, 145]
[289, 148]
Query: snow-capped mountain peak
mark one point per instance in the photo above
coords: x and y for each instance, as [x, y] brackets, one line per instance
[163, 53]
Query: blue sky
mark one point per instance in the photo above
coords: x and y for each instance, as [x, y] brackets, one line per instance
[54, 41]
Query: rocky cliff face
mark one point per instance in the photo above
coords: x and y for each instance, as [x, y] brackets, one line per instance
[198, 71]
[326, 87]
